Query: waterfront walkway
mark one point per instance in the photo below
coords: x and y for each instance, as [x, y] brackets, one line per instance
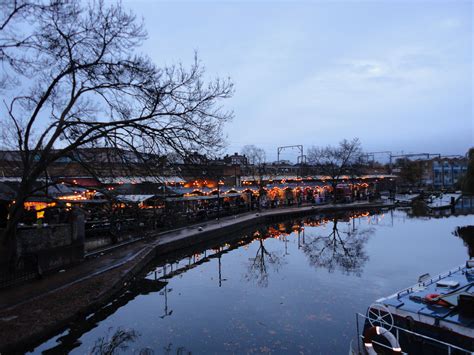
[40, 308]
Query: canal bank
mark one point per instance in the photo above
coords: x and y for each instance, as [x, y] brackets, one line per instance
[40, 309]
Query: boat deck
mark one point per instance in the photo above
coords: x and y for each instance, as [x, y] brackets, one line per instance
[443, 310]
[444, 200]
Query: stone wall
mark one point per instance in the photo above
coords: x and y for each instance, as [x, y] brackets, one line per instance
[41, 249]
[35, 239]
[51, 247]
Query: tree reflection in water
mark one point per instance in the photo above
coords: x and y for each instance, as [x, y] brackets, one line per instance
[263, 262]
[342, 250]
[339, 249]
[119, 341]
[86, 322]
[466, 233]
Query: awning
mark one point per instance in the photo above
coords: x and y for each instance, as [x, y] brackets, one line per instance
[58, 190]
[141, 179]
[81, 181]
[198, 198]
[133, 198]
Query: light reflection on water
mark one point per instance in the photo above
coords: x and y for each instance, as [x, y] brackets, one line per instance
[291, 287]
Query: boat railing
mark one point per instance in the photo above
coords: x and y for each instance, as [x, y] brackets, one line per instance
[428, 282]
[449, 347]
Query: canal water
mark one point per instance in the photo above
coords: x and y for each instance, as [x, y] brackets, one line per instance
[290, 287]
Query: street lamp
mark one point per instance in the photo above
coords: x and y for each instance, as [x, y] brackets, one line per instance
[219, 182]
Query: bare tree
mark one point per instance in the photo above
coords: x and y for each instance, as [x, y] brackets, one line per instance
[255, 155]
[335, 162]
[467, 180]
[81, 84]
[256, 167]
[10, 36]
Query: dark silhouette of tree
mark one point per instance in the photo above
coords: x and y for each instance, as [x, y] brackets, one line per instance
[254, 154]
[81, 84]
[338, 250]
[256, 167]
[119, 341]
[263, 263]
[335, 162]
[15, 16]
[468, 179]
[87, 322]
[466, 233]
[411, 172]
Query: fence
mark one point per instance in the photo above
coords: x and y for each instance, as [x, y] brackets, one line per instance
[25, 269]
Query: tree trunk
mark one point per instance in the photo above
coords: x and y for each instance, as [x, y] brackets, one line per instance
[16, 213]
[10, 232]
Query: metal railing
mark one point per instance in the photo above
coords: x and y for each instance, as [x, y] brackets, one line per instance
[449, 347]
[25, 270]
[425, 283]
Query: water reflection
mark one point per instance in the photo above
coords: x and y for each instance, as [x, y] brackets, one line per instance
[263, 262]
[86, 323]
[342, 250]
[196, 297]
[119, 341]
[466, 233]
[179, 350]
[463, 207]
[339, 249]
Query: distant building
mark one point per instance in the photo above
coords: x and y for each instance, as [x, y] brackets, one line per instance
[446, 172]
[195, 158]
[236, 159]
[442, 172]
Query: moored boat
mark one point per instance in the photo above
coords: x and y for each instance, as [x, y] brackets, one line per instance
[435, 316]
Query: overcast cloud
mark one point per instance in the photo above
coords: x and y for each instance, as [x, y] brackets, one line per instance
[396, 74]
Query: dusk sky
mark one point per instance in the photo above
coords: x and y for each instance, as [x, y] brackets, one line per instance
[396, 74]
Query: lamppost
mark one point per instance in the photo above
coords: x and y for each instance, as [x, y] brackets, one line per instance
[165, 293]
[219, 182]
